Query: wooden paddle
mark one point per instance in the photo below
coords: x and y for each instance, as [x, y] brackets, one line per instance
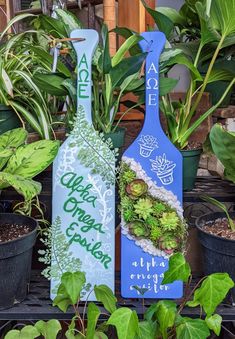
[157, 162]
[84, 188]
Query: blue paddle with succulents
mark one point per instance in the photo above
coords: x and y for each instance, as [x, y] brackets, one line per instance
[84, 188]
[150, 185]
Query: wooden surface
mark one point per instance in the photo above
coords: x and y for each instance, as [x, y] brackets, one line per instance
[2, 15]
[110, 19]
[132, 14]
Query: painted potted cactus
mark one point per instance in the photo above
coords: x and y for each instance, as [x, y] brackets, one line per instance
[147, 145]
[216, 230]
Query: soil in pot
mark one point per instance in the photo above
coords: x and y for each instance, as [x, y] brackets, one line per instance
[17, 237]
[10, 232]
[218, 245]
[220, 228]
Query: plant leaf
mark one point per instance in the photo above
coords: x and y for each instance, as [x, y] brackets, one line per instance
[93, 314]
[223, 145]
[165, 313]
[70, 20]
[163, 22]
[9, 141]
[192, 329]
[212, 292]
[214, 323]
[105, 295]
[166, 85]
[126, 67]
[125, 47]
[73, 284]
[147, 330]
[48, 329]
[29, 160]
[50, 83]
[26, 187]
[27, 332]
[126, 322]
[178, 269]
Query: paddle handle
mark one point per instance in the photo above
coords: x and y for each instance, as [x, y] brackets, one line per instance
[153, 43]
[84, 50]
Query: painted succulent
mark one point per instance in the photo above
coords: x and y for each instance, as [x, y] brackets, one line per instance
[155, 233]
[128, 215]
[128, 176]
[158, 208]
[144, 207]
[152, 221]
[168, 243]
[169, 220]
[138, 229]
[136, 188]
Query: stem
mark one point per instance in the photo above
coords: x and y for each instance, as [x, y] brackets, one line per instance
[207, 75]
[190, 294]
[85, 306]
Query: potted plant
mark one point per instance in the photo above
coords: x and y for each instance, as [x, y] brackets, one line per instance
[24, 56]
[19, 163]
[180, 115]
[163, 319]
[216, 230]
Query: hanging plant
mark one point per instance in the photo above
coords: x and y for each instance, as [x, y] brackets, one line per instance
[152, 216]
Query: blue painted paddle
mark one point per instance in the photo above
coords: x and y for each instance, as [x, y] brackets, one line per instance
[156, 161]
[83, 188]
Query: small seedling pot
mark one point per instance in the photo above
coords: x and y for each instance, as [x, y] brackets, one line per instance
[15, 261]
[218, 252]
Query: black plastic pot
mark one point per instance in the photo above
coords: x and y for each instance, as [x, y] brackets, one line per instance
[219, 253]
[190, 166]
[15, 261]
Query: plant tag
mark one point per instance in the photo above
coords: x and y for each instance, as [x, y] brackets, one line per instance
[84, 189]
[151, 196]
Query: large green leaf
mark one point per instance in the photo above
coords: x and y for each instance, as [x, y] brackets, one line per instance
[50, 83]
[166, 85]
[73, 284]
[165, 313]
[26, 187]
[212, 292]
[125, 47]
[147, 330]
[62, 301]
[49, 329]
[27, 332]
[126, 67]
[182, 59]
[223, 145]
[105, 295]
[29, 160]
[9, 141]
[105, 56]
[178, 269]
[221, 18]
[172, 15]
[214, 323]
[163, 22]
[93, 314]
[48, 59]
[70, 20]
[192, 329]
[14, 20]
[126, 322]
[51, 25]
[126, 33]
[220, 75]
